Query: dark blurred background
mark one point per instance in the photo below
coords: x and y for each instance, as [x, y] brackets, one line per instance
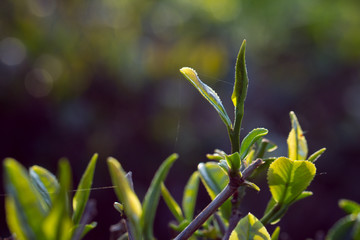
[79, 77]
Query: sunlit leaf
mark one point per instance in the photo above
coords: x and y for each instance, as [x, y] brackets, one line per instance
[171, 203]
[14, 222]
[207, 92]
[24, 200]
[57, 224]
[240, 89]
[83, 190]
[288, 178]
[250, 228]
[250, 139]
[233, 161]
[190, 195]
[349, 206]
[152, 196]
[215, 180]
[275, 234]
[296, 141]
[316, 155]
[45, 182]
[126, 196]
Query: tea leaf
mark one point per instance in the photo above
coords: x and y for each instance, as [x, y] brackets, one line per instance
[234, 162]
[215, 180]
[190, 195]
[316, 155]
[45, 182]
[275, 234]
[152, 196]
[24, 201]
[250, 139]
[126, 196]
[297, 145]
[349, 206]
[57, 224]
[171, 203]
[83, 191]
[207, 92]
[250, 228]
[288, 178]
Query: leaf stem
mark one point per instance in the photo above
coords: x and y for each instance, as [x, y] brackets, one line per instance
[269, 216]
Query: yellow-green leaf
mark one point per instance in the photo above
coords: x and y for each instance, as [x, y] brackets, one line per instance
[152, 196]
[288, 178]
[126, 196]
[207, 92]
[190, 195]
[215, 180]
[296, 141]
[171, 203]
[83, 191]
[250, 228]
[250, 139]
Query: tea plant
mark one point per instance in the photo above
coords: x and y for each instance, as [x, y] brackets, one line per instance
[38, 207]
[37, 203]
[226, 178]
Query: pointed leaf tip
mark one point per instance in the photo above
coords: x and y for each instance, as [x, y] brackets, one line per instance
[207, 92]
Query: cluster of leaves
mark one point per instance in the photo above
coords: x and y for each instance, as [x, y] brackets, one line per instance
[226, 176]
[38, 206]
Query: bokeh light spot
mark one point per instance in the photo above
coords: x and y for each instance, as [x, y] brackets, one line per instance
[38, 83]
[12, 51]
[42, 8]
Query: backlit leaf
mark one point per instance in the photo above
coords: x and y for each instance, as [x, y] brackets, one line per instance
[275, 234]
[24, 200]
[83, 191]
[171, 203]
[250, 228]
[316, 155]
[296, 141]
[215, 180]
[190, 195]
[288, 178]
[207, 92]
[250, 139]
[152, 196]
[349, 206]
[45, 182]
[126, 196]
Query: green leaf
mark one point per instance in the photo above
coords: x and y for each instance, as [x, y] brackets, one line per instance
[250, 228]
[234, 162]
[275, 234]
[215, 180]
[316, 155]
[208, 93]
[24, 201]
[349, 206]
[14, 221]
[240, 88]
[250, 139]
[224, 166]
[288, 178]
[83, 190]
[190, 195]
[152, 196]
[296, 141]
[45, 182]
[57, 224]
[171, 203]
[126, 196]
[342, 229]
[251, 185]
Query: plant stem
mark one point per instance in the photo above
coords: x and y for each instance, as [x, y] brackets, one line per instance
[268, 217]
[227, 192]
[207, 212]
